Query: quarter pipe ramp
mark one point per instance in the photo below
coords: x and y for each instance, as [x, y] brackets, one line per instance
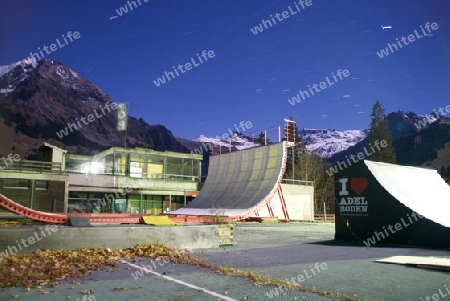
[392, 204]
[240, 184]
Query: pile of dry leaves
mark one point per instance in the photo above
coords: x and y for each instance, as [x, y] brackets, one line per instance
[51, 267]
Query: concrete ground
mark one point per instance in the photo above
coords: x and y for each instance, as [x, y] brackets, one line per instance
[277, 250]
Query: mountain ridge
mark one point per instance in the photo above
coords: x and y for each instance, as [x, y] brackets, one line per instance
[41, 98]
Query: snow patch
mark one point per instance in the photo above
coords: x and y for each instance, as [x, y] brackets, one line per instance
[74, 74]
[236, 142]
[24, 63]
[5, 91]
[6, 69]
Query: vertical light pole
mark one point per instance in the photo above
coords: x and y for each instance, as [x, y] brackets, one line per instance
[293, 161]
[279, 133]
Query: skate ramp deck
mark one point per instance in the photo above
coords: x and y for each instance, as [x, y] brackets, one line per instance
[239, 183]
[420, 189]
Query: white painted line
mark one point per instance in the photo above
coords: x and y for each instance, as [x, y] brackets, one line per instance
[225, 298]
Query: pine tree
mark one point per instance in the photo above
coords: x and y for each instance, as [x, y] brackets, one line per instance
[262, 139]
[379, 131]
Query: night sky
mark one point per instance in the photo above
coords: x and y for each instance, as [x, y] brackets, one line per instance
[251, 77]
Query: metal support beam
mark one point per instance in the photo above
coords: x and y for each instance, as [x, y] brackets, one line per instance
[32, 188]
[269, 208]
[66, 196]
[283, 203]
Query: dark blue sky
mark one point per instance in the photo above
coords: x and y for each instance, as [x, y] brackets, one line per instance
[251, 76]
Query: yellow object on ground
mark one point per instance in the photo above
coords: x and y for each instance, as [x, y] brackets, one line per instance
[159, 220]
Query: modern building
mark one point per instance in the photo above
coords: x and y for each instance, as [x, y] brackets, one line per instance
[116, 180]
[40, 185]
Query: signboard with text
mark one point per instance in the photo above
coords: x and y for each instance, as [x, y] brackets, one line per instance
[122, 117]
[351, 202]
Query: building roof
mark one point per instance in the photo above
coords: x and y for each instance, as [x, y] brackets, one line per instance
[45, 144]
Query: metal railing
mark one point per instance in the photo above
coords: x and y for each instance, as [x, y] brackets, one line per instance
[35, 167]
[174, 177]
[298, 182]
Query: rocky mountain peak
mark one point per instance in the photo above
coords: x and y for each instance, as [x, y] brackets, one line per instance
[40, 99]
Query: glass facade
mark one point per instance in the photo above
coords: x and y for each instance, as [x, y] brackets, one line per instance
[136, 165]
[16, 183]
[90, 202]
[165, 167]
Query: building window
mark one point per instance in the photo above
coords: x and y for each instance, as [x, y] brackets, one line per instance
[136, 169]
[41, 185]
[120, 164]
[16, 183]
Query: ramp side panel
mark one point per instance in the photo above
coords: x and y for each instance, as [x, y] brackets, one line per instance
[30, 213]
[240, 180]
[420, 189]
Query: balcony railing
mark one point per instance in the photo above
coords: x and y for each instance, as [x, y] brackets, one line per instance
[35, 167]
[174, 177]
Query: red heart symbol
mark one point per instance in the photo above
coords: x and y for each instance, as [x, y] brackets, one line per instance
[358, 185]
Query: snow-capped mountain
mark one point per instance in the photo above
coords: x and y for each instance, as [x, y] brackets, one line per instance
[325, 143]
[237, 142]
[321, 142]
[15, 73]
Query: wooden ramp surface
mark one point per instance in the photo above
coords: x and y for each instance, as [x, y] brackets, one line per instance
[440, 263]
